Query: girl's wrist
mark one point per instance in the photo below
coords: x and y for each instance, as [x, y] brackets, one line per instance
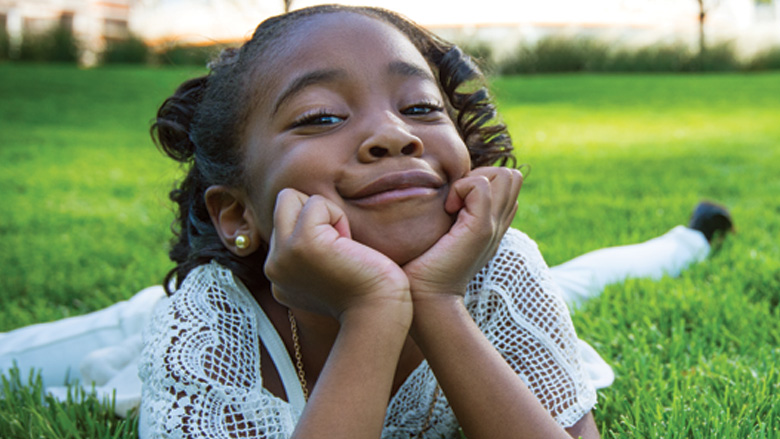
[432, 310]
[392, 310]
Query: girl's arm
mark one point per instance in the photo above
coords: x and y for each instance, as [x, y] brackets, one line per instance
[352, 391]
[487, 395]
[315, 266]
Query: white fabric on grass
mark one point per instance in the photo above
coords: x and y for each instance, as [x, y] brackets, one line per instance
[586, 276]
[101, 349]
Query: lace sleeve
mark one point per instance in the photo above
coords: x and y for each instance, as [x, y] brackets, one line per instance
[523, 315]
[201, 366]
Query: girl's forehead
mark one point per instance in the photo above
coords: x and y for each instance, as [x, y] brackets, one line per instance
[340, 40]
[342, 33]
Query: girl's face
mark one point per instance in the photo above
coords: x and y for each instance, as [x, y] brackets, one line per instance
[349, 109]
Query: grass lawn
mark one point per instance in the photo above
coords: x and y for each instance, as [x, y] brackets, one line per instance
[615, 159]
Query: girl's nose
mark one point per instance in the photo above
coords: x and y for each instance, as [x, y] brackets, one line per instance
[389, 138]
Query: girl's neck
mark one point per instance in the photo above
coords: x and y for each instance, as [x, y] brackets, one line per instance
[317, 334]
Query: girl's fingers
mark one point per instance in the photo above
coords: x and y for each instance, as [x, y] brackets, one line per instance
[297, 213]
[488, 192]
[506, 186]
[470, 194]
[517, 184]
[289, 203]
[319, 211]
[509, 190]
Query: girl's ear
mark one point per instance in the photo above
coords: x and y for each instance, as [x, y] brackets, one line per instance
[232, 218]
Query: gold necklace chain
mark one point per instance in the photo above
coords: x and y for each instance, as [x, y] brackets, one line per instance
[298, 355]
[427, 425]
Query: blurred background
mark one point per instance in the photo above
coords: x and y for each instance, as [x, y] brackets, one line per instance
[509, 36]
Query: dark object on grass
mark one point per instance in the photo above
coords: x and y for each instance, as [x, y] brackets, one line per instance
[712, 219]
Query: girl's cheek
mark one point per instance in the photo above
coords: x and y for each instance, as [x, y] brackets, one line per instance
[462, 160]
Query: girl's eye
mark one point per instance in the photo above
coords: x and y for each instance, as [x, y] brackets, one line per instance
[319, 119]
[422, 109]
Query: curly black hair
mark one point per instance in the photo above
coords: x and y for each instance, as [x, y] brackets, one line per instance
[200, 126]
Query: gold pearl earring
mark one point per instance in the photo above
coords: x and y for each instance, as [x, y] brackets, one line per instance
[242, 242]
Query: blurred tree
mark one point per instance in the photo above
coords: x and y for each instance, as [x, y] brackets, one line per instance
[57, 44]
[131, 50]
[287, 5]
[5, 40]
[704, 7]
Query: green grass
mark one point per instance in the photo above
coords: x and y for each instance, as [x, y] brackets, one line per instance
[615, 159]
[27, 412]
[85, 214]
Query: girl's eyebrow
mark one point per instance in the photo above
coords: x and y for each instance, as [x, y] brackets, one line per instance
[303, 81]
[400, 68]
[403, 68]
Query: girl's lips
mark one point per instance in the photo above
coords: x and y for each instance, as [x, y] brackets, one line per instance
[395, 195]
[396, 187]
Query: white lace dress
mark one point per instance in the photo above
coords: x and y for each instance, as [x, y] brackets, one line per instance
[201, 364]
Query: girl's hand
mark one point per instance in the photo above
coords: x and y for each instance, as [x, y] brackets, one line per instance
[314, 264]
[486, 202]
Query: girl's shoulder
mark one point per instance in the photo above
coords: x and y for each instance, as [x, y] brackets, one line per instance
[209, 311]
[517, 248]
[202, 350]
[517, 277]
[518, 240]
[516, 268]
[208, 294]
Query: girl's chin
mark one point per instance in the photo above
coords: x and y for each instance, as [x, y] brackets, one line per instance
[404, 245]
[402, 252]
[404, 237]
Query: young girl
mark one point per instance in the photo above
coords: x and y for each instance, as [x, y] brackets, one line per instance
[339, 210]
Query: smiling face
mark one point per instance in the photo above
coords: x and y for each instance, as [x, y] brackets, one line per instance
[349, 109]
